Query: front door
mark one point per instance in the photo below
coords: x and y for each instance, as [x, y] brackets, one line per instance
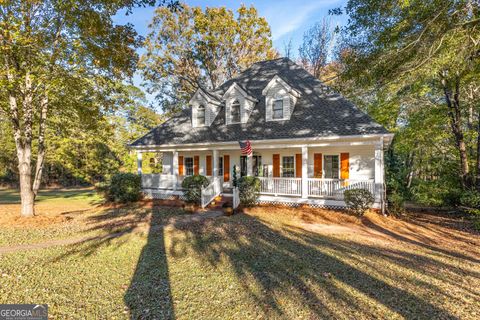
[226, 168]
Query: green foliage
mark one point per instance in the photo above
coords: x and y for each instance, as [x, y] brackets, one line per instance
[235, 178]
[470, 201]
[192, 186]
[396, 204]
[122, 187]
[358, 200]
[414, 67]
[195, 47]
[249, 189]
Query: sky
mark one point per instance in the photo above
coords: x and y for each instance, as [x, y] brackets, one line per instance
[288, 19]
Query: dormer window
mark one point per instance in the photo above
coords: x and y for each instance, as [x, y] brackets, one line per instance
[235, 110]
[277, 109]
[280, 99]
[238, 104]
[201, 115]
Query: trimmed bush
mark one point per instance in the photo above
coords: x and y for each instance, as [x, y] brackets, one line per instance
[193, 187]
[358, 200]
[249, 188]
[122, 187]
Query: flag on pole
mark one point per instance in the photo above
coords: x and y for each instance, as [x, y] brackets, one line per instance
[246, 147]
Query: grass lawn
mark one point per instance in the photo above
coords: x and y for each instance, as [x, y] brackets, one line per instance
[146, 261]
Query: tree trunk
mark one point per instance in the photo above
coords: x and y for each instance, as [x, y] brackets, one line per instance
[455, 117]
[26, 193]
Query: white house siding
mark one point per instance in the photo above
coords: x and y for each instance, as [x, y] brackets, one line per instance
[362, 159]
[278, 91]
[246, 106]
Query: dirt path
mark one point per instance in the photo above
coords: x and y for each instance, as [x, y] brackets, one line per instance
[69, 241]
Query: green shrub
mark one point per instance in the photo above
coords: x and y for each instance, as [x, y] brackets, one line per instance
[396, 204]
[358, 200]
[122, 187]
[249, 188]
[193, 187]
[470, 200]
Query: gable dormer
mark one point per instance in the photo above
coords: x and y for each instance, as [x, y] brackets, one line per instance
[280, 99]
[238, 104]
[205, 108]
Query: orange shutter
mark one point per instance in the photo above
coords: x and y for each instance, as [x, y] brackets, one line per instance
[226, 168]
[298, 165]
[276, 165]
[180, 165]
[317, 165]
[196, 164]
[209, 165]
[344, 165]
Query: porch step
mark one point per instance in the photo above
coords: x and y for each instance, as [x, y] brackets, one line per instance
[219, 201]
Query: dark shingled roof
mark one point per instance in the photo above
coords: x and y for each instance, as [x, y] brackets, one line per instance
[319, 112]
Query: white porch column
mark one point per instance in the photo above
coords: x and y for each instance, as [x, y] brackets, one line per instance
[304, 172]
[250, 165]
[379, 175]
[215, 163]
[175, 168]
[139, 162]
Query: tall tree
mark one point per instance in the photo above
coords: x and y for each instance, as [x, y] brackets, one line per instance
[316, 47]
[192, 47]
[58, 59]
[422, 51]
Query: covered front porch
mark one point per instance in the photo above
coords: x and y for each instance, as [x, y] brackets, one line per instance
[315, 174]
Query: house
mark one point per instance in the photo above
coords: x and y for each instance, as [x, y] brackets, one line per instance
[309, 143]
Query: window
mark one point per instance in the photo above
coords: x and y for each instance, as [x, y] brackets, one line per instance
[288, 167]
[189, 166]
[235, 111]
[331, 167]
[243, 166]
[220, 166]
[201, 115]
[257, 166]
[277, 109]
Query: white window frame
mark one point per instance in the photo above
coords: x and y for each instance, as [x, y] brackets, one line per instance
[186, 168]
[273, 109]
[324, 165]
[239, 111]
[204, 115]
[294, 166]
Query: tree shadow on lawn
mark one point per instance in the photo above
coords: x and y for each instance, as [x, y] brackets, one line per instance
[305, 269]
[148, 295]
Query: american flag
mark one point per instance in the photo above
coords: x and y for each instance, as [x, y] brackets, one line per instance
[246, 147]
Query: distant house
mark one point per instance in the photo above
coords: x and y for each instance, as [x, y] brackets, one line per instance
[309, 143]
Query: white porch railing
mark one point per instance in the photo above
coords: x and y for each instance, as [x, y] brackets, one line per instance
[334, 188]
[211, 191]
[236, 198]
[281, 186]
[161, 181]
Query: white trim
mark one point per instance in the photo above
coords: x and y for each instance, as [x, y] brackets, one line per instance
[339, 165]
[242, 92]
[209, 99]
[294, 166]
[302, 142]
[277, 78]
